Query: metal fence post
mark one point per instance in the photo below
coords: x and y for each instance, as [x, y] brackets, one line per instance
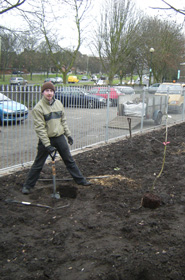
[183, 104]
[107, 119]
[143, 109]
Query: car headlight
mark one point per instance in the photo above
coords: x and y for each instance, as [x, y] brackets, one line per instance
[8, 110]
[103, 100]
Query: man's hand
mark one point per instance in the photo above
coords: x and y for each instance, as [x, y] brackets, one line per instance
[70, 140]
[51, 150]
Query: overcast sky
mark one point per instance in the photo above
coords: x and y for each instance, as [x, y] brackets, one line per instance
[144, 5]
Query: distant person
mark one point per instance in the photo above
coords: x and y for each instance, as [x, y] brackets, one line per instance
[52, 130]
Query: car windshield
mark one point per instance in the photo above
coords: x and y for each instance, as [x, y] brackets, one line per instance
[103, 91]
[3, 97]
[173, 89]
[154, 85]
[118, 90]
[77, 93]
[81, 92]
[93, 91]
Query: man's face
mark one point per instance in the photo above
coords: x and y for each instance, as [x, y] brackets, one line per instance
[48, 94]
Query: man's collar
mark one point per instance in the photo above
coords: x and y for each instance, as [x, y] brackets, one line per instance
[47, 101]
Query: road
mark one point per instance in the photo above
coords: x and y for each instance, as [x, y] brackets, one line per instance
[88, 126]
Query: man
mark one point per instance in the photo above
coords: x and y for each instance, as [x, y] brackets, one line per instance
[51, 128]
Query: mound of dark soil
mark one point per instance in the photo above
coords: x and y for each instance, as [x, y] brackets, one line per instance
[100, 231]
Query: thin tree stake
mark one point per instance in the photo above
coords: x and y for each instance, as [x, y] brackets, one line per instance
[164, 157]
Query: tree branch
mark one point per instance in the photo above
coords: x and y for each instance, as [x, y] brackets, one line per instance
[11, 6]
[170, 8]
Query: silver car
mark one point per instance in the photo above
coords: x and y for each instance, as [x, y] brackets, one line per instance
[18, 81]
[153, 88]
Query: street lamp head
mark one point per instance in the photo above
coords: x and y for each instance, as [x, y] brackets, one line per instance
[152, 50]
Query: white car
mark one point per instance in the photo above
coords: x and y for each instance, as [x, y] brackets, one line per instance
[58, 80]
[94, 78]
[153, 88]
[18, 81]
[101, 82]
[125, 89]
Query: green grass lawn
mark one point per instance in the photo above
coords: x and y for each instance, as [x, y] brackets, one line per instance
[35, 79]
[39, 79]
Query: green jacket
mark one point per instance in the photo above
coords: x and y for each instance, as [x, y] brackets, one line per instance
[49, 120]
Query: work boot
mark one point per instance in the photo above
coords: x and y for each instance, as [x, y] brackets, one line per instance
[26, 190]
[86, 183]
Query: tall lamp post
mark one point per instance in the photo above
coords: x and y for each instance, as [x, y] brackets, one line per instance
[151, 53]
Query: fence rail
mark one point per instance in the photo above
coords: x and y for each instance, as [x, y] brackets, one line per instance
[89, 126]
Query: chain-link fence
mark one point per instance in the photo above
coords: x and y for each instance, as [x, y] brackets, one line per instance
[95, 115]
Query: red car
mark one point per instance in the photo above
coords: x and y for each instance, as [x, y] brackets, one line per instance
[103, 92]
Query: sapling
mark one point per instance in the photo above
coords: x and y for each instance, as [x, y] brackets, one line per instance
[149, 199]
[164, 157]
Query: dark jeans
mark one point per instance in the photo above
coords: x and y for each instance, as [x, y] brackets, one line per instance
[62, 147]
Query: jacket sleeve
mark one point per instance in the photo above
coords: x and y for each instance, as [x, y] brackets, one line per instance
[40, 127]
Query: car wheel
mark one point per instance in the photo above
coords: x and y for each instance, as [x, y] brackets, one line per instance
[114, 102]
[158, 120]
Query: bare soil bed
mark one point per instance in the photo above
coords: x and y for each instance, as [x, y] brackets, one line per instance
[102, 232]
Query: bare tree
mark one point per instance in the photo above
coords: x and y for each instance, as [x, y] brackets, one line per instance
[114, 34]
[48, 25]
[8, 55]
[167, 39]
[46, 21]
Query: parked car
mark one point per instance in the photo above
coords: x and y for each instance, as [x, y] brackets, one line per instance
[18, 81]
[15, 72]
[11, 111]
[73, 79]
[75, 97]
[103, 92]
[125, 89]
[101, 83]
[52, 80]
[84, 78]
[94, 78]
[153, 88]
[58, 80]
[176, 95]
